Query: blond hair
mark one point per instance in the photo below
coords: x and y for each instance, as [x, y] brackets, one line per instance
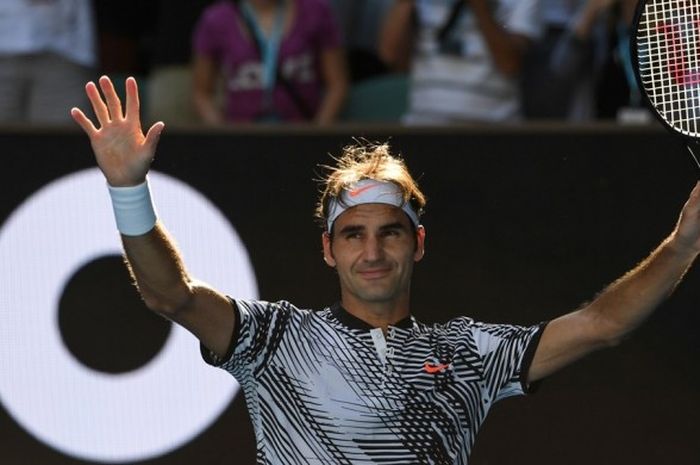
[366, 160]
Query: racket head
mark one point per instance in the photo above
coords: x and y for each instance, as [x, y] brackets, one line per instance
[665, 52]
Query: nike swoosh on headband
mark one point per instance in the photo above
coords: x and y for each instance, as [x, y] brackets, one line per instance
[369, 191]
[359, 190]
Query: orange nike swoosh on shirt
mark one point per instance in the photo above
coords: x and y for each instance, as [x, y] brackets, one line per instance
[360, 190]
[432, 368]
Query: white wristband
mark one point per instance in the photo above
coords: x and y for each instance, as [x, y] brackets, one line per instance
[133, 209]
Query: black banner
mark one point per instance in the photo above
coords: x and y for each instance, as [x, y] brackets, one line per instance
[523, 225]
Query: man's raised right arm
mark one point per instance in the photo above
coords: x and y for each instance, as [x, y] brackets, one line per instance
[124, 155]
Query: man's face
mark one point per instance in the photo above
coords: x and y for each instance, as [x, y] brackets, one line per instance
[373, 250]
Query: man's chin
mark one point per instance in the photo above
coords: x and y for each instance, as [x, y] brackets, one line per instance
[376, 292]
[377, 297]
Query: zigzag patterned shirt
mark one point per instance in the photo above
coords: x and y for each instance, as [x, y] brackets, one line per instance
[324, 387]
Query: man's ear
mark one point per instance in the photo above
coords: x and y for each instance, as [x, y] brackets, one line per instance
[327, 252]
[420, 243]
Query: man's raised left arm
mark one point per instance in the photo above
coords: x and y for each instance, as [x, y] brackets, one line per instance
[626, 303]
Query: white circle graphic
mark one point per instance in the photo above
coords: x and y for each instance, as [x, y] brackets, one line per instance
[81, 412]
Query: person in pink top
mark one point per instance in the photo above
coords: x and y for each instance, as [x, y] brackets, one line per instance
[281, 60]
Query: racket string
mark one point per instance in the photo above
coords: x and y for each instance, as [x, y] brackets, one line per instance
[692, 154]
[667, 43]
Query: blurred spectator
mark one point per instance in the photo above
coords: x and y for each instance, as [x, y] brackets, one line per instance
[169, 95]
[581, 69]
[280, 60]
[560, 70]
[617, 94]
[466, 58]
[361, 22]
[47, 51]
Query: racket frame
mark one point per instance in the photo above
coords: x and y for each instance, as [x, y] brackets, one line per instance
[634, 55]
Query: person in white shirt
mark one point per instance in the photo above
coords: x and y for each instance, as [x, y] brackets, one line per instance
[465, 56]
[47, 52]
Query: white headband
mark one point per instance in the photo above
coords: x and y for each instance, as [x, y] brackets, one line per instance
[369, 191]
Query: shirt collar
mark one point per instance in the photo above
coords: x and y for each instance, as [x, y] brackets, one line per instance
[351, 321]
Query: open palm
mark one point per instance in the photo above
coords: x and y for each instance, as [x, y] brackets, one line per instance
[122, 151]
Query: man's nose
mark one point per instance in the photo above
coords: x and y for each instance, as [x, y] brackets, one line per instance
[373, 249]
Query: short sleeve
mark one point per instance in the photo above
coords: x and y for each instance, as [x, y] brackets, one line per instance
[507, 352]
[259, 328]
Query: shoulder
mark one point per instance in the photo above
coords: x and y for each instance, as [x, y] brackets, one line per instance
[263, 306]
[457, 328]
[281, 312]
[466, 327]
[458, 325]
[218, 13]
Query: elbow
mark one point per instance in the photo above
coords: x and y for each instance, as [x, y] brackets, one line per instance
[394, 51]
[510, 68]
[200, 101]
[395, 60]
[387, 55]
[338, 84]
[342, 88]
[608, 333]
[508, 60]
[168, 304]
[612, 341]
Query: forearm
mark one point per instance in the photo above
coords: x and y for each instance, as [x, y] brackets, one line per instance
[626, 303]
[574, 51]
[166, 288]
[616, 312]
[571, 56]
[158, 270]
[506, 49]
[331, 104]
[396, 36]
[583, 25]
[204, 78]
[206, 109]
[335, 78]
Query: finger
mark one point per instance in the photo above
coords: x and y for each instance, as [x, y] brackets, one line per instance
[132, 100]
[97, 104]
[83, 121]
[113, 103]
[153, 135]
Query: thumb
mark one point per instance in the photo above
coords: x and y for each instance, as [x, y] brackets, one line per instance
[153, 135]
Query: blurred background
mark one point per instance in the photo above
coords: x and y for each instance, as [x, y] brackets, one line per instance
[547, 179]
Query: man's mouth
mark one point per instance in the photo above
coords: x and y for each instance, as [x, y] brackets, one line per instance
[374, 273]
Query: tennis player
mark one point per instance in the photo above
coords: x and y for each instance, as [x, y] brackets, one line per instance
[361, 381]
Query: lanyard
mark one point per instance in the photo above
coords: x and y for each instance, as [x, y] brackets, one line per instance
[268, 46]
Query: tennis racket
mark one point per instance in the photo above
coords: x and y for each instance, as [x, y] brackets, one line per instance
[665, 50]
